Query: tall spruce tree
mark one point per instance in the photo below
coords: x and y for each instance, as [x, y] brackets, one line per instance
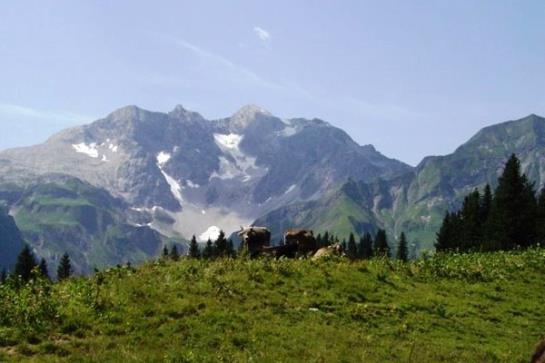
[165, 252]
[25, 263]
[448, 237]
[194, 251]
[402, 248]
[486, 205]
[174, 255]
[365, 247]
[231, 252]
[64, 270]
[220, 245]
[208, 251]
[471, 228]
[540, 217]
[351, 247]
[514, 210]
[326, 239]
[3, 276]
[43, 268]
[381, 247]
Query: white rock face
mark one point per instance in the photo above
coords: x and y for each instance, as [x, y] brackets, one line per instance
[89, 150]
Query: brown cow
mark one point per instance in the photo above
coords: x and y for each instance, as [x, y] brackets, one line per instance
[254, 239]
[539, 354]
[304, 239]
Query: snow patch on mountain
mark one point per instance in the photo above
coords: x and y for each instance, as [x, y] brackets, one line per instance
[292, 187]
[175, 187]
[211, 233]
[162, 158]
[191, 184]
[89, 150]
[235, 163]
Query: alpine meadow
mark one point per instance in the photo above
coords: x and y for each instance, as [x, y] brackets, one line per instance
[356, 181]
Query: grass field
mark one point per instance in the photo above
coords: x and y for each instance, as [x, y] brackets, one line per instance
[447, 308]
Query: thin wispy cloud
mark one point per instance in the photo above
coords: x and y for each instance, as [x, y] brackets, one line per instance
[12, 112]
[235, 72]
[262, 34]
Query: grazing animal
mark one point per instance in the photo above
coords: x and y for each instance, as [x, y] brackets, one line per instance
[288, 251]
[302, 238]
[333, 250]
[539, 354]
[254, 239]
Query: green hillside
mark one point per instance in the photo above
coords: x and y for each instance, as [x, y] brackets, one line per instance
[86, 222]
[455, 308]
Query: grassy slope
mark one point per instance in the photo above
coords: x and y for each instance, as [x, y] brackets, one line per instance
[473, 308]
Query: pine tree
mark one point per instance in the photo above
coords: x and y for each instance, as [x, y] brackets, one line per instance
[486, 205]
[514, 210]
[352, 249]
[174, 255]
[449, 236]
[208, 251]
[381, 247]
[165, 252]
[540, 217]
[3, 276]
[365, 247]
[194, 251]
[231, 252]
[471, 228]
[326, 239]
[64, 270]
[43, 268]
[25, 263]
[319, 242]
[402, 248]
[220, 245]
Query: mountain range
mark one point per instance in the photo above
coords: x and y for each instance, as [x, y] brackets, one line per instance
[118, 189]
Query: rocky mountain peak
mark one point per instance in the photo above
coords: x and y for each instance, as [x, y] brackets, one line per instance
[246, 115]
[181, 112]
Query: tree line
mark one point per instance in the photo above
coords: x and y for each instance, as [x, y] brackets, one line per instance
[28, 266]
[366, 247]
[510, 217]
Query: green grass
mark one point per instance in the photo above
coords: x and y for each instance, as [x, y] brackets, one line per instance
[450, 308]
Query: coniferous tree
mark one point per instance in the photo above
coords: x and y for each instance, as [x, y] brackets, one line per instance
[365, 247]
[486, 205]
[165, 252]
[64, 270]
[540, 217]
[343, 244]
[208, 251]
[194, 251]
[402, 248]
[174, 255]
[326, 239]
[43, 268]
[25, 263]
[319, 242]
[3, 276]
[220, 245]
[381, 247]
[352, 249]
[448, 238]
[231, 252]
[470, 236]
[514, 209]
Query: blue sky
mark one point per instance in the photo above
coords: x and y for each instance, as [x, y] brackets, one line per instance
[413, 78]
